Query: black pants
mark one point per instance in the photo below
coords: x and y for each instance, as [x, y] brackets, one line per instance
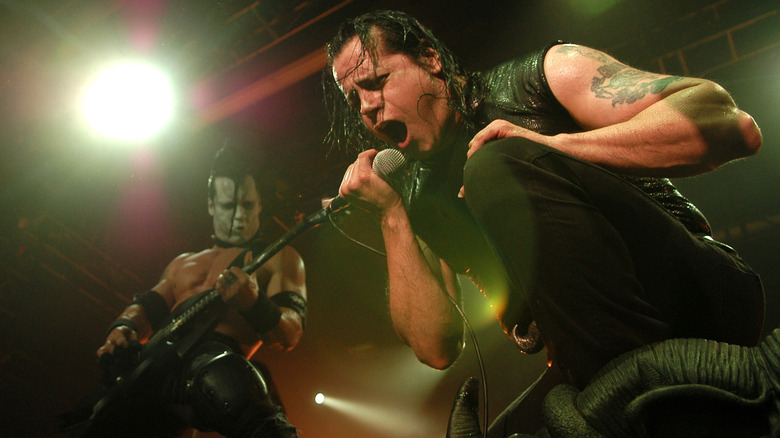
[214, 387]
[604, 267]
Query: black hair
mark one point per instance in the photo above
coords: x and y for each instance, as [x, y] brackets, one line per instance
[398, 32]
[234, 163]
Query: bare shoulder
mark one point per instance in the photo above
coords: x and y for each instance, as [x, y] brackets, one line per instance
[290, 271]
[573, 69]
[287, 258]
[200, 264]
[598, 90]
[177, 263]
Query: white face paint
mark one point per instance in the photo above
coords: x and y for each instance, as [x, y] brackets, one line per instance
[235, 210]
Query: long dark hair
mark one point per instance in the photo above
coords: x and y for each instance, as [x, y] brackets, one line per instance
[398, 32]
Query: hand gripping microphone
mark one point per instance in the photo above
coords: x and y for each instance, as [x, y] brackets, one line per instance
[386, 163]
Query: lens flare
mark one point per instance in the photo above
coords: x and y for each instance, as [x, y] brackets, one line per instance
[129, 101]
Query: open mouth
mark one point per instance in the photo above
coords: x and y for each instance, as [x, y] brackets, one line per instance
[394, 130]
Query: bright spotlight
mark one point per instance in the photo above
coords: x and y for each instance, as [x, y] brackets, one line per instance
[128, 102]
[399, 421]
[319, 398]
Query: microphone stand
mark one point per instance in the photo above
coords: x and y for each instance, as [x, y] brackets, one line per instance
[307, 223]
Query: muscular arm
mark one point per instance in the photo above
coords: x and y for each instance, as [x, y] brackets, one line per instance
[286, 273]
[646, 123]
[637, 122]
[418, 286]
[121, 336]
[421, 313]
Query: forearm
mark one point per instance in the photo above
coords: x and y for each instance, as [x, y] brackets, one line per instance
[130, 326]
[691, 131]
[422, 314]
[137, 315]
[287, 333]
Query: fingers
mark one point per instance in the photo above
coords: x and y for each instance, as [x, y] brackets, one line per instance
[345, 182]
[494, 130]
[237, 288]
[226, 279]
[120, 337]
[358, 173]
[108, 347]
[486, 134]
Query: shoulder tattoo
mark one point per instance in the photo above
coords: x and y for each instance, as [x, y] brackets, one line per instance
[618, 82]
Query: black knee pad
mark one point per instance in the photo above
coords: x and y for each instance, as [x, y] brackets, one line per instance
[225, 390]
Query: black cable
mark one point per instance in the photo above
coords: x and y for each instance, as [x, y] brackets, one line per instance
[481, 365]
[370, 248]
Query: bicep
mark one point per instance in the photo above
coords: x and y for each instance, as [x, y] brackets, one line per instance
[289, 274]
[167, 284]
[597, 90]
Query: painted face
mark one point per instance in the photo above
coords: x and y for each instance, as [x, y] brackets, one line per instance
[400, 101]
[235, 213]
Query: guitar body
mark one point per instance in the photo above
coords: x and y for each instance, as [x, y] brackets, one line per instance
[130, 401]
[129, 407]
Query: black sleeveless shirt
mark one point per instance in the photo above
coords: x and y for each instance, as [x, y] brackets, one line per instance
[516, 91]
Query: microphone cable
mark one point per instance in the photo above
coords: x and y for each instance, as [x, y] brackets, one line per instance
[355, 241]
[462, 314]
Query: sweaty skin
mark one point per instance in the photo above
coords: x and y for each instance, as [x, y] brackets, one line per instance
[235, 214]
[633, 122]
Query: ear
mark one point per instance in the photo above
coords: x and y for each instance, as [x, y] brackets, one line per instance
[432, 61]
[211, 208]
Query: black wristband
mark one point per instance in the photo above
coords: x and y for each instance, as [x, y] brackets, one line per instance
[155, 306]
[263, 315]
[294, 301]
[119, 322]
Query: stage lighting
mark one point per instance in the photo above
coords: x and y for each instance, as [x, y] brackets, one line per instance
[129, 101]
[319, 398]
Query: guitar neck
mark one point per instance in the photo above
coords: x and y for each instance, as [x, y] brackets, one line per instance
[208, 305]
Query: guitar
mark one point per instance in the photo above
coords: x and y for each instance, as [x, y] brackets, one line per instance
[126, 386]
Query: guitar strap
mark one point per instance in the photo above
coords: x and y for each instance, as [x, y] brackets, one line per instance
[185, 344]
[238, 261]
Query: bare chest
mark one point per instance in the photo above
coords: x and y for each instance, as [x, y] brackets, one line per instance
[200, 271]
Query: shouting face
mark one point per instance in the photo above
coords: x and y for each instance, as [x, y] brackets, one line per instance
[401, 100]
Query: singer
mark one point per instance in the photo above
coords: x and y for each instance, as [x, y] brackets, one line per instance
[544, 180]
[215, 387]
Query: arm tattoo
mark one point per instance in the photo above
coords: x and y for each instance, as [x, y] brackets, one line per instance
[619, 82]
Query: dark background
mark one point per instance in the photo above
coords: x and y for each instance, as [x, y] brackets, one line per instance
[87, 223]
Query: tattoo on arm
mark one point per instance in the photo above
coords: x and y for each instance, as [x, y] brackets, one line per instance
[620, 83]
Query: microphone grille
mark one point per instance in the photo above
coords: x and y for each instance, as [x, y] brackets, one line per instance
[387, 162]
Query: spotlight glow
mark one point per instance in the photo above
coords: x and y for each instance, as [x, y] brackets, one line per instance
[395, 421]
[129, 101]
[319, 398]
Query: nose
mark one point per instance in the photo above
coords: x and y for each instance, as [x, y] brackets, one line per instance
[240, 213]
[370, 103]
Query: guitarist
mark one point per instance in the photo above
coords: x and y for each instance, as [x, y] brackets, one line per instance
[215, 387]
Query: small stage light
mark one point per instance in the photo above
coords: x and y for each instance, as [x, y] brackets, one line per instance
[319, 398]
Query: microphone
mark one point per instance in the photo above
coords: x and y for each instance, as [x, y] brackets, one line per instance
[386, 163]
